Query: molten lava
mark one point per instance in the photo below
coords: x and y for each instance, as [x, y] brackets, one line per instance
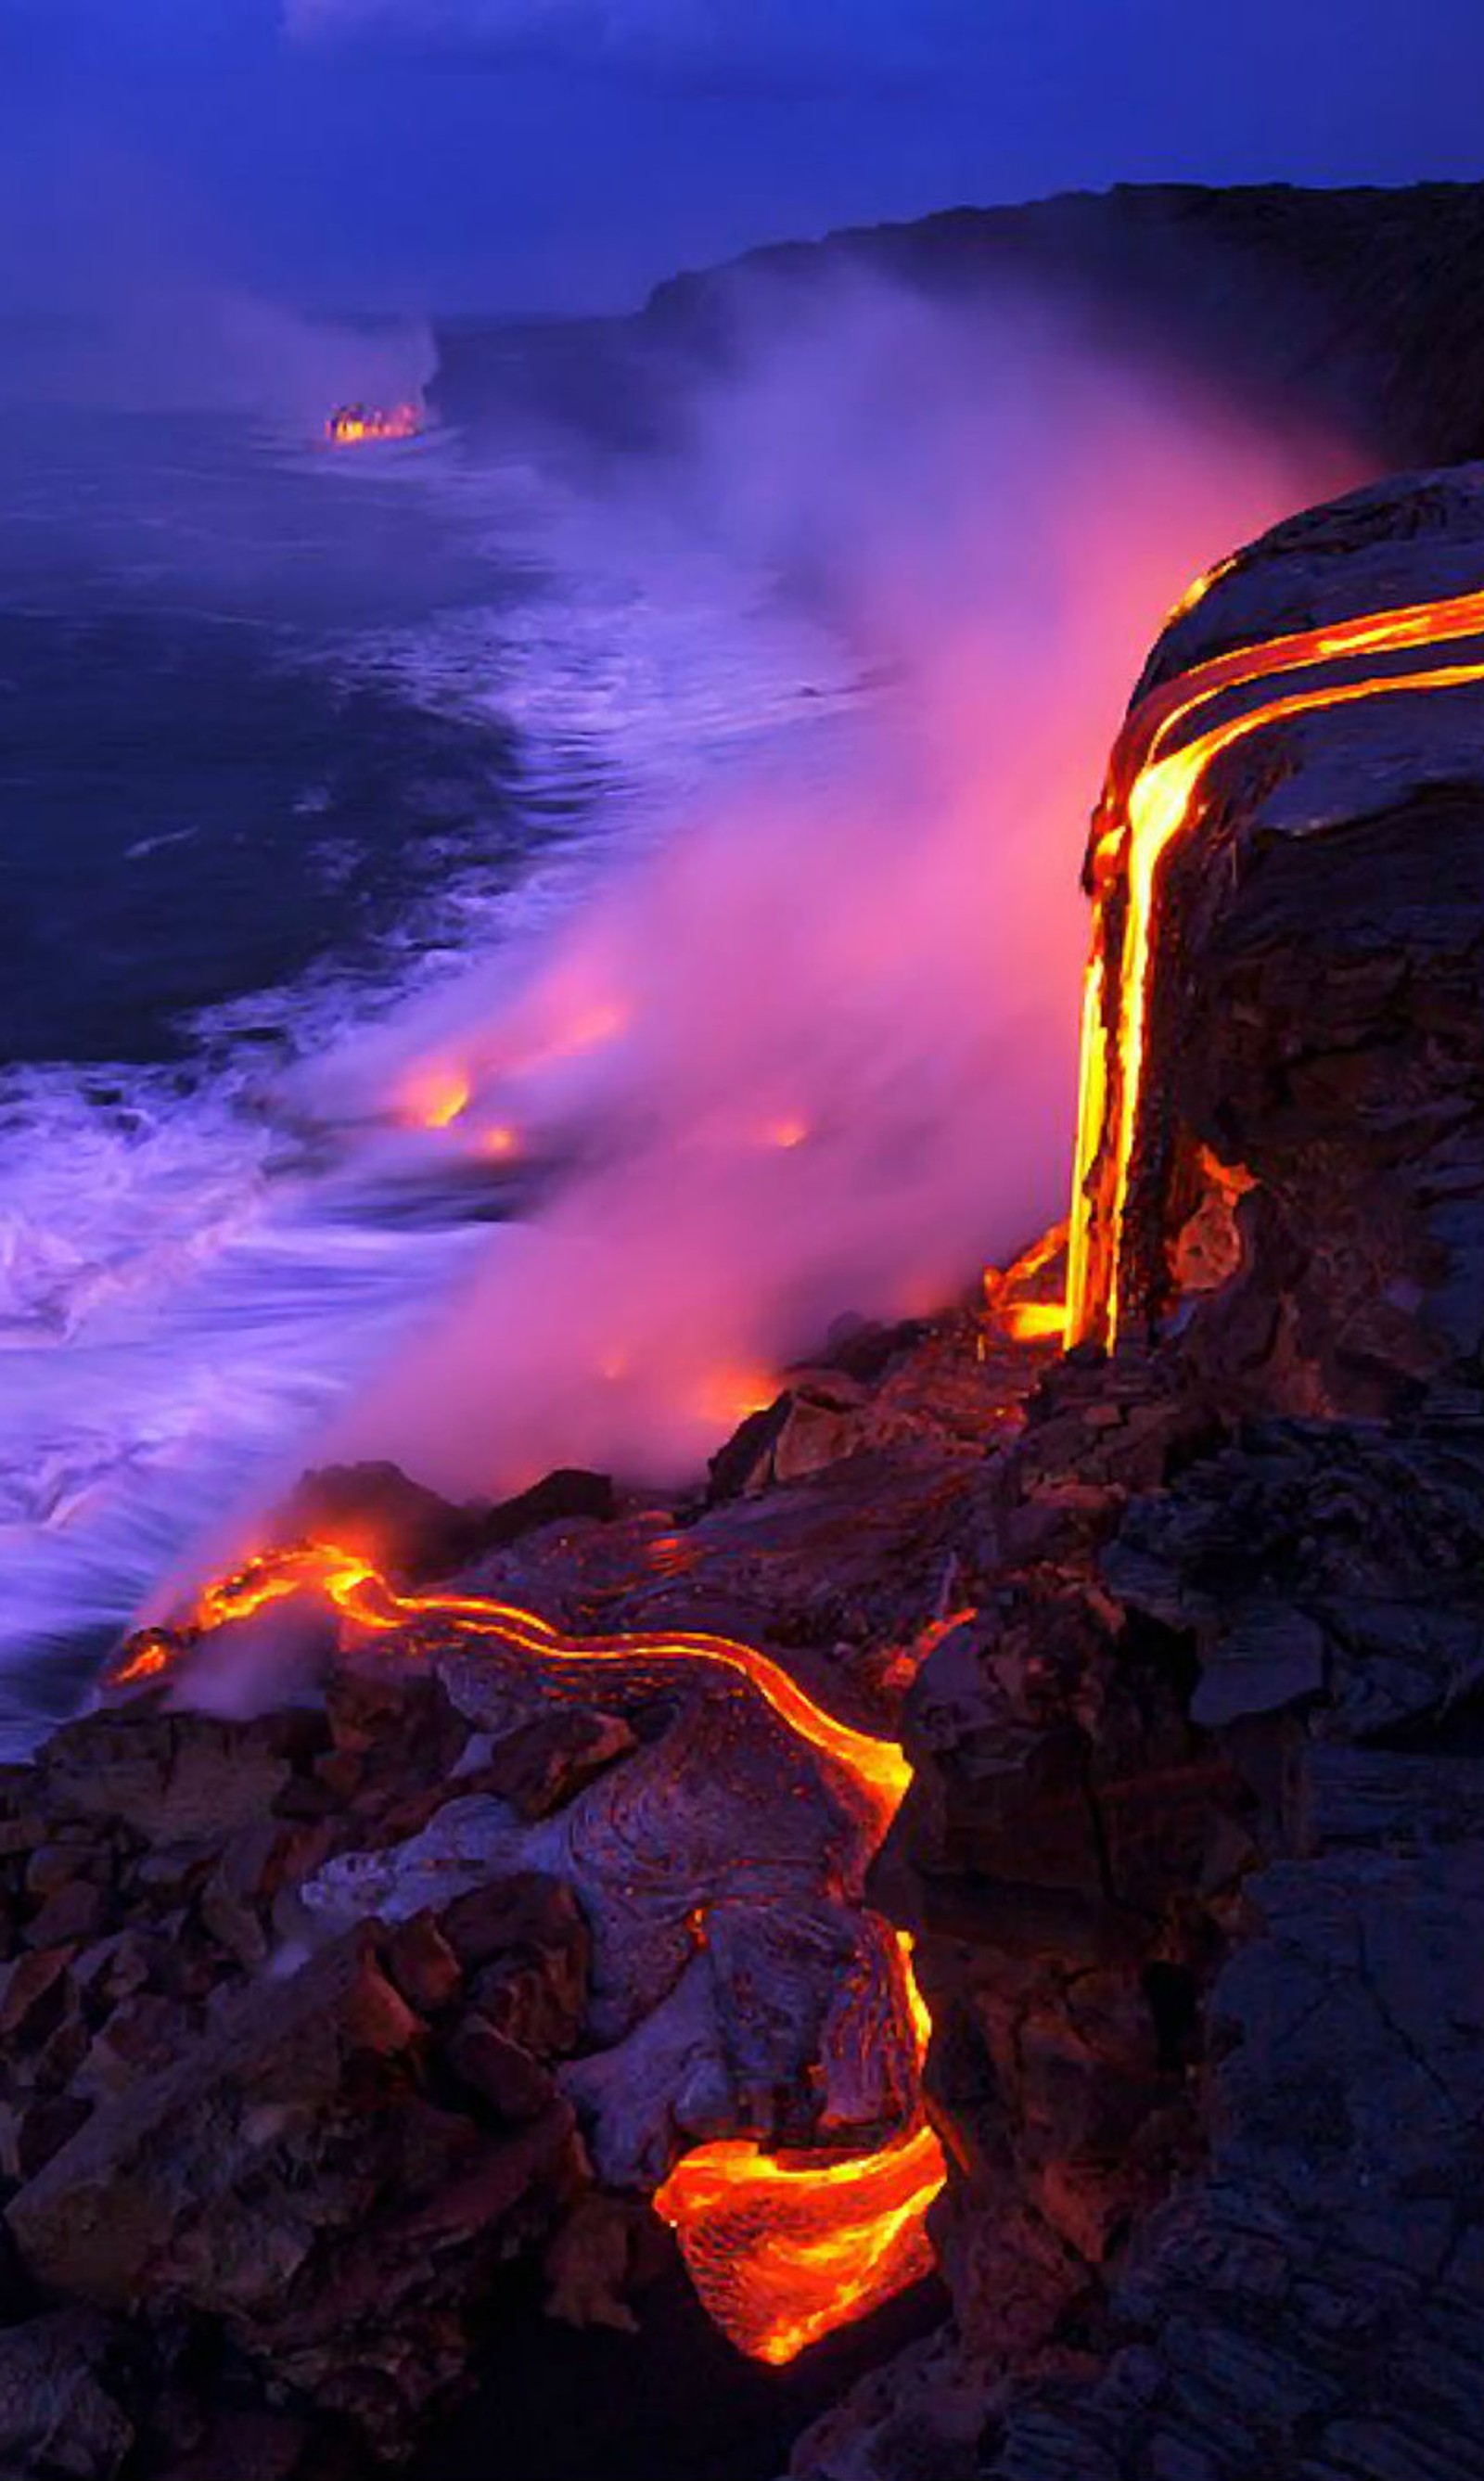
[357, 426]
[781, 2249]
[1022, 1300]
[1151, 798]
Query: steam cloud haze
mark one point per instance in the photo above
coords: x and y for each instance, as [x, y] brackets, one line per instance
[816, 1053]
[159, 342]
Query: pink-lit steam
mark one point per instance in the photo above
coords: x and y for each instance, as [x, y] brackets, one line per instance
[815, 1053]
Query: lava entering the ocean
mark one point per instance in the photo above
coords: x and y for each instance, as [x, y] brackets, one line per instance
[782, 2249]
[1151, 798]
[357, 426]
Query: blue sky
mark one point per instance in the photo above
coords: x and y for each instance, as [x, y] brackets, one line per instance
[557, 154]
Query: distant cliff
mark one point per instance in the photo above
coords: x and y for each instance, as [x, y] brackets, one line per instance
[1356, 301]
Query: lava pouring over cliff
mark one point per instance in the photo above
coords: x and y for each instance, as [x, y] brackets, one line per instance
[1155, 795]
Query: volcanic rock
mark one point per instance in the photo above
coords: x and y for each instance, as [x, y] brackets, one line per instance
[291, 2176]
[56, 2414]
[415, 1535]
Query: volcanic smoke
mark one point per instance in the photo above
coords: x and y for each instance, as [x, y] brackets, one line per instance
[812, 1053]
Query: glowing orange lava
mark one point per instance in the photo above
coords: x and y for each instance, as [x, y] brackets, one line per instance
[781, 2250]
[436, 1097]
[355, 426]
[1151, 798]
[729, 1396]
[1010, 1293]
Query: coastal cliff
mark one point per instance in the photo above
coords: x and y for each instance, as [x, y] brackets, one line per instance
[1350, 306]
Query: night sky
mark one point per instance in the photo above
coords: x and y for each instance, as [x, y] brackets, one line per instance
[530, 154]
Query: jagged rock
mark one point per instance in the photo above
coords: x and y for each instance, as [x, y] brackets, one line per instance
[247, 2445]
[174, 1777]
[511, 2081]
[57, 2417]
[415, 1535]
[591, 2262]
[423, 1965]
[288, 2176]
[542, 1764]
[33, 1992]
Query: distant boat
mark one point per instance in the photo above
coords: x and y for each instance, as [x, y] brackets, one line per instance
[354, 426]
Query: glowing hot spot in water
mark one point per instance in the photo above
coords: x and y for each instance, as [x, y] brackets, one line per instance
[1153, 797]
[781, 2250]
[357, 426]
[436, 1097]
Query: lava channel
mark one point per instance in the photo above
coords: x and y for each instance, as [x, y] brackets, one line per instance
[1153, 797]
[782, 2249]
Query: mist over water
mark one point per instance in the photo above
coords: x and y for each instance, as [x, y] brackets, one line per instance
[639, 926]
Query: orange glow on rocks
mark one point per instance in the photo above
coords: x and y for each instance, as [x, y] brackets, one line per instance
[1153, 796]
[1037, 1322]
[729, 1395]
[782, 2249]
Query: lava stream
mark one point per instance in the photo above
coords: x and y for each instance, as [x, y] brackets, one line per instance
[781, 2250]
[357, 426]
[1151, 798]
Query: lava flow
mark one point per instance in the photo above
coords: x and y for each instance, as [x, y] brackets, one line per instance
[1151, 798]
[355, 426]
[781, 2249]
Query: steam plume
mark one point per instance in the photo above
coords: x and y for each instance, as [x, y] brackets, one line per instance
[815, 1055]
